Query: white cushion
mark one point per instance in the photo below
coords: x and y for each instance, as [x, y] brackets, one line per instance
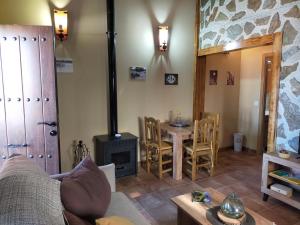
[121, 206]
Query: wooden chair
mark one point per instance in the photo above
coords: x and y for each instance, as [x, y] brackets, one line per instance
[142, 145]
[200, 153]
[158, 151]
[216, 118]
[143, 154]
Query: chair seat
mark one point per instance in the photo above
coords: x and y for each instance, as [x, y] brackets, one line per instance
[167, 139]
[166, 145]
[199, 148]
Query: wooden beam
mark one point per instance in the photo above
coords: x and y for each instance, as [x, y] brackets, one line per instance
[199, 94]
[196, 47]
[262, 99]
[238, 45]
[276, 66]
[197, 29]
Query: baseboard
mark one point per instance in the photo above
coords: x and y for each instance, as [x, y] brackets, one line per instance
[244, 148]
[249, 149]
[226, 148]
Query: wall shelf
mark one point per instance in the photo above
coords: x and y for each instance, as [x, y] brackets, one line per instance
[286, 179]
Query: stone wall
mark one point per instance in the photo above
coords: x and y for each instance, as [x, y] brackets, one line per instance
[223, 21]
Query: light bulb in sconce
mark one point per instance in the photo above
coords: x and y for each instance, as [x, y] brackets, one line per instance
[163, 38]
[61, 24]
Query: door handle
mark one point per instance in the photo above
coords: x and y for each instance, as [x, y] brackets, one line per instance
[51, 124]
[17, 145]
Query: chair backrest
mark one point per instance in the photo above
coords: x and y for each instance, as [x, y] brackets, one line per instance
[204, 132]
[216, 117]
[212, 115]
[152, 132]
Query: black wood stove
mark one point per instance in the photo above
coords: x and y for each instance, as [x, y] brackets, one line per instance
[120, 149]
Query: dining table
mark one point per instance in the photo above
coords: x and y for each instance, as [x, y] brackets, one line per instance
[178, 135]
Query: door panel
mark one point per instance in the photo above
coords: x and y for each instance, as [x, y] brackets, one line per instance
[12, 82]
[49, 100]
[3, 137]
[29, 93]
[32, 89]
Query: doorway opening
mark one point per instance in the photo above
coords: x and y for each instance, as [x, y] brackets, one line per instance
[238, 89]
[274, 41]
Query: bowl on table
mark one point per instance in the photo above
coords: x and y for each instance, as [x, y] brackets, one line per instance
[284, 154]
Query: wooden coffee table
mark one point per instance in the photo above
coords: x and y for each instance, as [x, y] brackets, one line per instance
[194, 213]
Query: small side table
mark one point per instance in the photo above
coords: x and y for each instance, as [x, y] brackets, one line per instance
[272, 162]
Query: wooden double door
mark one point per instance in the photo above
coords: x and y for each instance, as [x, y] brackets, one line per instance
[28, 106]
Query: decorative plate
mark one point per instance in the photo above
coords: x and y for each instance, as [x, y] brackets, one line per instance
[212, 217]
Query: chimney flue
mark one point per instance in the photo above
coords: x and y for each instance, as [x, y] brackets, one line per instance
[112, 75]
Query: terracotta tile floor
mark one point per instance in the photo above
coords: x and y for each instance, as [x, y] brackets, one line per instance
[238, 172]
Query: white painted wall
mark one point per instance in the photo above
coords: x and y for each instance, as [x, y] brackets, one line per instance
[137, 26]
[223, 98]
[249, 101]
[29, 12]
[82, 95]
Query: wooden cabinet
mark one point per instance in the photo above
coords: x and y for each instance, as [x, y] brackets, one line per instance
[28, 107]
[272, 162]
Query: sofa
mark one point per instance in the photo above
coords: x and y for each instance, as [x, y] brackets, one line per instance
[120, 205]
[29, 196]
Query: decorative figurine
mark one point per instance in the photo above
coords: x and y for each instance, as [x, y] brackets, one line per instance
[80, 152]
[230, 212]
[232, 207]
[200, 196]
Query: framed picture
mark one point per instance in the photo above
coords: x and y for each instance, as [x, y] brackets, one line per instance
[137, 73]
[171, 79]
[230, 78]
[213, 77]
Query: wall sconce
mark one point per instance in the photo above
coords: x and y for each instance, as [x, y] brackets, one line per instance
[163, 38]
[61, 24]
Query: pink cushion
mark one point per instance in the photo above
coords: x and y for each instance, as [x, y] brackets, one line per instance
[86, 192]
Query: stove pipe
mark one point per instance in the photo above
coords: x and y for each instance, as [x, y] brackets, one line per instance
[112, 75]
